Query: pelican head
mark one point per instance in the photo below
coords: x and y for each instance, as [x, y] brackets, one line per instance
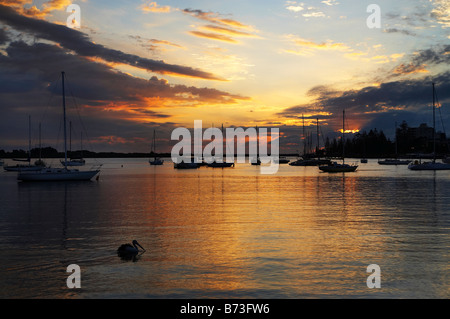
[135, 243]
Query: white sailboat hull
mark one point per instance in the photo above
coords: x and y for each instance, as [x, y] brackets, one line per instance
[57, 175]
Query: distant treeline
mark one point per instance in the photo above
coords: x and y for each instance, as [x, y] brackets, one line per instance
[374, 144]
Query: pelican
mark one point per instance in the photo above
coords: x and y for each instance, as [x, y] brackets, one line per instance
[130, 249]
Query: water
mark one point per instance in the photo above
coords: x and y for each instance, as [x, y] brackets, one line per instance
[228, 233]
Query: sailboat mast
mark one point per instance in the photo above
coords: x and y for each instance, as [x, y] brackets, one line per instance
[396, 141]
[64, 112]
[70, 136]
[434, 126]
[318, 140]
[29, 139]
[40, 144]
[304, 137]
[343, 136]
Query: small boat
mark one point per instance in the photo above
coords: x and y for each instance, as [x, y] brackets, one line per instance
[335, 167]
[433, 165]
[256, 160]
[394, 162]
[310, 162]
[428, 166]
[186, 165]
[26, 167]
[338, 168]
[156, 160]
[364, 160]
[281, 160]
[220, 164]
[308, 159]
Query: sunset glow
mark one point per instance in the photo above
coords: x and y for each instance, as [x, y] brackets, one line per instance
[143, 65]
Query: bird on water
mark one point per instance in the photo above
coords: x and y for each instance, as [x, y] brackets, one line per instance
[130, 249]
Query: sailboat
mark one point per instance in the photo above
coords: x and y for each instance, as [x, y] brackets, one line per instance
[394, 161]
[59, 174]
[304, 161]
[25, 167]
[220, 163]
[74, 161]
[335, 167]
[433, 165]
[156, 160]
[256, 160]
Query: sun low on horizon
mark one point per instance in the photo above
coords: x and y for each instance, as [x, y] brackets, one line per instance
[139, 66]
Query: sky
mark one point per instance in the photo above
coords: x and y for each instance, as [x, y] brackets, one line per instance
[137, 67]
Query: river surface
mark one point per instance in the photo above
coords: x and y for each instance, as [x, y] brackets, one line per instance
[228, 233]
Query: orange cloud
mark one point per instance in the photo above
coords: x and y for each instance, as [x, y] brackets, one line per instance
[214, 36]
[322, 46]
[410, 69]
[221, 29]
[154, 7]
[33, 11]
[228, 31]
[214, 17]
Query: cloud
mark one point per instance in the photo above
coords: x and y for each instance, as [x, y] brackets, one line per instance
[307, 47]
[152, 6]
[215, 18]
[80, 43]
[368, 103]
[3, 36]
[314, 14]
[110, 102]
[308, 12]
[410, 68]
[330, 2]
[441, 12]
[422, 61]
[33, 11]
[221, 29]
[213, 36]
[293, 6]
[404, 32]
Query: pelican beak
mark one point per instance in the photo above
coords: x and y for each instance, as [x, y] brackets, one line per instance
[140, 246]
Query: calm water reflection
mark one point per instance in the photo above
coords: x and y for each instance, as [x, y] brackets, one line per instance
[228, 233]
